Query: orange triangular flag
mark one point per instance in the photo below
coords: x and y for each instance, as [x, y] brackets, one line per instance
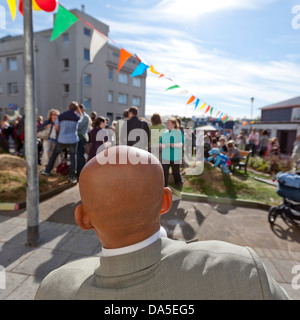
[192, 98]
[124, 56]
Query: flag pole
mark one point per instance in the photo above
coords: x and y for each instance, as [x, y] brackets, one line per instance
[32, 190]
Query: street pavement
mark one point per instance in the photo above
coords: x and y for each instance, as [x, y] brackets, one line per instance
[63, 241]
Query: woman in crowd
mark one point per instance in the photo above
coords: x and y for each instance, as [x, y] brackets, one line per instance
[98, 137]
[156, 124]
[172, 142]
[49, 135]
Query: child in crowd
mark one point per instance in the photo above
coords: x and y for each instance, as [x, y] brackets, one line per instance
[219, 159]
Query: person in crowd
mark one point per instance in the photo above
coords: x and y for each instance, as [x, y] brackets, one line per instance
[218, 159]
[67, 126]
[233, 153]
[263, 144]
[83, 130]
[137, 261]
[207, 146]
[50, 139]
[107, 121]
[296, 153]
[119, 127]
[171, 143]
[93, 117]
[158, 127]
[274, 147]
[142, 138]
[5, 133]
[214, 143]
[254, 141]
[98, 137]
[39, 121]
[241, 141]
[223, 146]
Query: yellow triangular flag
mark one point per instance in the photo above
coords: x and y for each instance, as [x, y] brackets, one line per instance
[152, 70]
[204, 104]
[12, 7]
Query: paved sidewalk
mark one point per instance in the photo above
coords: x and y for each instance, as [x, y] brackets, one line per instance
[63, 241]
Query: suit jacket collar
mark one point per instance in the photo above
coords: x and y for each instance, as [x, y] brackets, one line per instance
[131, 262]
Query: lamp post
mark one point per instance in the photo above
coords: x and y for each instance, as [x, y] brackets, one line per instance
[32, 189]
[252, 100]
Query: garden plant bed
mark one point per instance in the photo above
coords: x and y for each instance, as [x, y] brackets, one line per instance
[13, 179]
[212, 182]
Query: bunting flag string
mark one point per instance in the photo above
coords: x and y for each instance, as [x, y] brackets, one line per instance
[124, 56]
[140, 69]
[12, 4]
[65, 19]
[98, 41]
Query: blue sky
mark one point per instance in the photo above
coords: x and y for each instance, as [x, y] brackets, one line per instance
[222, 51]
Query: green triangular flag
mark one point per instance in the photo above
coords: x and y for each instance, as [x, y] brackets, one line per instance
[63, 21]
[173, 87]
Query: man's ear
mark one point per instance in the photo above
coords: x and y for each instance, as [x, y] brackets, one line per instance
[82, 218]
[167, 201]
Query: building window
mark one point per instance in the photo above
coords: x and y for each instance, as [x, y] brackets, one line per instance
[110, 116]
[110, 74]
[66, 88]
[123, 77]
[87, 32]
[12, 64]
[137, 82]
[66, 39]
[13, 89]
[122, 98]
[87, 79]
[66, 64]
[87, 102]
[110, 96]
[86, 54]
[136, 101]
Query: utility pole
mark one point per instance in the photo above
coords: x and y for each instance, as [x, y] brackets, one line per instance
[32, 190]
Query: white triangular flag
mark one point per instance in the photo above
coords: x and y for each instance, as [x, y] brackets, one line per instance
[97, 43]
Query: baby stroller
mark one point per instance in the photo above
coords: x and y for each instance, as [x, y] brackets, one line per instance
[289, 189]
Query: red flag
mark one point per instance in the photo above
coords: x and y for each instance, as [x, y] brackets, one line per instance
[207, 109]
[124, 56]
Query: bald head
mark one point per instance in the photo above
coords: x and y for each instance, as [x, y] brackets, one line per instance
[122, 192]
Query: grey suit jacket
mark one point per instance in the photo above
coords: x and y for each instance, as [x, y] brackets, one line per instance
[166, 270]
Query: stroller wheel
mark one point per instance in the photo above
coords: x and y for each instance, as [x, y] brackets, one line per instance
[272, 215]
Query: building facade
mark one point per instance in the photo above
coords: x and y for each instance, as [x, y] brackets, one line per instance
[281, 120]
[63, 73]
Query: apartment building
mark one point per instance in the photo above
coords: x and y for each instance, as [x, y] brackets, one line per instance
[63, 73]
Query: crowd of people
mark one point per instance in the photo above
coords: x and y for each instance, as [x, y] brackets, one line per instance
[73, 137]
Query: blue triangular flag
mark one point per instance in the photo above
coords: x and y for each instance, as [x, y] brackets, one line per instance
[140, 69]
[220, 117]
[197, 103]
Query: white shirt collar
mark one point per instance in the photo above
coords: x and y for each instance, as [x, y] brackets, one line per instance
[137, 246]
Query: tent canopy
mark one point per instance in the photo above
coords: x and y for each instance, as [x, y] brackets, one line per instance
[209, 128]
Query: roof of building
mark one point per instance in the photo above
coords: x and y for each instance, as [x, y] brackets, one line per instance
[294, 102]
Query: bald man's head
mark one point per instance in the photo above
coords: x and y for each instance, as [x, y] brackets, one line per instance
[122, 192]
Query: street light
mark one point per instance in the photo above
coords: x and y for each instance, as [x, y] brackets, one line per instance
[252, 100]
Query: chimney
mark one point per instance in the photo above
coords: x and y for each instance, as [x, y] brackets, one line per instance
[83, 8]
